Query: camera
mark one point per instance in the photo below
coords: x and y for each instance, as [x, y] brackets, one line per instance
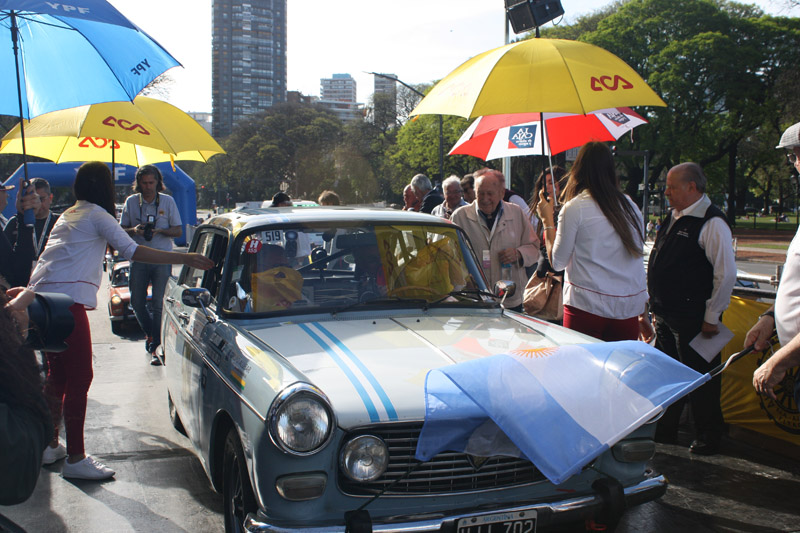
[51, 321]
[149, 226]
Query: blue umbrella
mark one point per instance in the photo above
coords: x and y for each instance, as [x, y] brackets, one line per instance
[68, 55]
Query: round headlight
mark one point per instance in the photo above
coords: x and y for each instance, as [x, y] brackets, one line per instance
[364, 458]
[301, 423]
[116, 300]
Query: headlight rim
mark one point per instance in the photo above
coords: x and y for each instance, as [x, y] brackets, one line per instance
[289, 393]
[343, 468]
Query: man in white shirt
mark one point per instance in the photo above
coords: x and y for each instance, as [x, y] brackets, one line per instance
[690, 278]
[785, 316]
[152, 219]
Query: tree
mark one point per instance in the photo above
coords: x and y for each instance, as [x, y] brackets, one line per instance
[717, 65]
[290, 145]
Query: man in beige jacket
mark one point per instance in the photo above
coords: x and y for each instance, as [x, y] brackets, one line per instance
[501, 234]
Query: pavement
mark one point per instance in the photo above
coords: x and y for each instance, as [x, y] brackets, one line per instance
[160, 485]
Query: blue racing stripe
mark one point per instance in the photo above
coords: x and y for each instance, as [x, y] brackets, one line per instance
[387, 403]
[371, 410]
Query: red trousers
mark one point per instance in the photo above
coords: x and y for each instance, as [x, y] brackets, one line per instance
[607, 329]
[69, 375]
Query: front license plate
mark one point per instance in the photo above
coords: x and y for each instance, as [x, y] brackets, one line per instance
[516, 522]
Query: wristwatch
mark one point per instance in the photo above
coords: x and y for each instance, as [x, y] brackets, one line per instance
[770, 313]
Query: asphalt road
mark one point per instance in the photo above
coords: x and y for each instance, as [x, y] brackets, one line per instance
[160, 485]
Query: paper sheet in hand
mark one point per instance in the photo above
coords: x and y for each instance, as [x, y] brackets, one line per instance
[708, 348]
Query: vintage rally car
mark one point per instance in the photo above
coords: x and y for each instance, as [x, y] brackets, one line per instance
[119, 296]
[297, 366]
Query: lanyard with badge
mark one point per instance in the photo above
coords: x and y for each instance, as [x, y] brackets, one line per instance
[38, 243]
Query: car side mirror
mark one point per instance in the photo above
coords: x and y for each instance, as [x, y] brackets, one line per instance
[198, 297]
[504, 289]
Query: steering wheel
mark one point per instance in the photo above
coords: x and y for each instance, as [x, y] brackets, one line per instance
[405, 288]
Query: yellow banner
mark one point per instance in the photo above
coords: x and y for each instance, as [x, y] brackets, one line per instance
[740, 404]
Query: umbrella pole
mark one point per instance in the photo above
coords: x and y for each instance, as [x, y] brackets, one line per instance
[28, 217]
[549, 156]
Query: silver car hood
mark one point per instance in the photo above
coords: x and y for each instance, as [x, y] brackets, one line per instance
[373, 370]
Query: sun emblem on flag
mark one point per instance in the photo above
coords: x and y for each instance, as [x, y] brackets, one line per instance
[535, 352]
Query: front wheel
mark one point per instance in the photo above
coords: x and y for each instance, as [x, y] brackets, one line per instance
[236, 489]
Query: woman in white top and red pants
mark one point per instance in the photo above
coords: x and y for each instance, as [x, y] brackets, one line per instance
[599, 245]
[71, 264]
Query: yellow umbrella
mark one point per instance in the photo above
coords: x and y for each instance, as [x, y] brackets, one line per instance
[538, 75]
[133, 133]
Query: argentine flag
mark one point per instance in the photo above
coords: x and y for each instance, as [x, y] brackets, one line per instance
[560, 407]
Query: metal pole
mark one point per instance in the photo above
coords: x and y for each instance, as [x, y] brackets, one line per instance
[507, 160]
[441, 150]
[646, 195]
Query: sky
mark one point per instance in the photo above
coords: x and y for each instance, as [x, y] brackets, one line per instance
[419, 41]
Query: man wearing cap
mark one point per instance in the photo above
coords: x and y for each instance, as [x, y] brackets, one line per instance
[785, 314]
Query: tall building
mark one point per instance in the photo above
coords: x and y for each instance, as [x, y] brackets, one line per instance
[338, 94]
[385, 84]
[248, 60]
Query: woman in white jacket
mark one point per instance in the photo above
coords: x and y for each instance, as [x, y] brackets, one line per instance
[599, 244]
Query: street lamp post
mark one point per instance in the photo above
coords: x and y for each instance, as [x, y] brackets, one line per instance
[441, 127]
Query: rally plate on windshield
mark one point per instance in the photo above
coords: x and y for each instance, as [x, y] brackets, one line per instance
[512, 522]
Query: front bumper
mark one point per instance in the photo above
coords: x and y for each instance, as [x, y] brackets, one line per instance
[563, 511]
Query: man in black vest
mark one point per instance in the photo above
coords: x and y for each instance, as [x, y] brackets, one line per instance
[690, 277]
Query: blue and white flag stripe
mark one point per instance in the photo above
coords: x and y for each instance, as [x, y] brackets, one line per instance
[359, 375]
[560, 407]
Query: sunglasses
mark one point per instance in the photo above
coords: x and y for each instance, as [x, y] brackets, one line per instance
[792, 158]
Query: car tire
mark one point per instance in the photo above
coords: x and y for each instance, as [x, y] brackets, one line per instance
[236, 490]
[174, 417]
[116, 327]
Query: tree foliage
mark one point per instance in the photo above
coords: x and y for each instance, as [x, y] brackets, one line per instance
[719, 67]
[726, 71]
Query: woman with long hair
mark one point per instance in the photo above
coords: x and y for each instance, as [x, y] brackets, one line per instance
[599, 244]
[71, 264]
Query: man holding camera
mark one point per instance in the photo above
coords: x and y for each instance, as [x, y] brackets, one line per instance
[152, 219]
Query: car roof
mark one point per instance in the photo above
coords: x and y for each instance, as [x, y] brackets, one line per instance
[242, 219]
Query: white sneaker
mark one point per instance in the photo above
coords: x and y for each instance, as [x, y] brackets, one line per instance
[88, 468]
[51, 455]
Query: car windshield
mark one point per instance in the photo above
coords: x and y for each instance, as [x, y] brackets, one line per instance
[120, 277]
[330, 268]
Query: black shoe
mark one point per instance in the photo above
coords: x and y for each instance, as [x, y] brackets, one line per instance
[155, 361]
[701, 447]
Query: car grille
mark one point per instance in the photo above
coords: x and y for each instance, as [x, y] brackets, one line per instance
[448, 472]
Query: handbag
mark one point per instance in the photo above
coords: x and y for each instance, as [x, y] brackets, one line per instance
[543, 297]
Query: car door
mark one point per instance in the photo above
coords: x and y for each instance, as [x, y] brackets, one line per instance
[187, 330]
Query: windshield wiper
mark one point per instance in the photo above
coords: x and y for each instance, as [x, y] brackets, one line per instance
[474, 294]
[380, 300]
